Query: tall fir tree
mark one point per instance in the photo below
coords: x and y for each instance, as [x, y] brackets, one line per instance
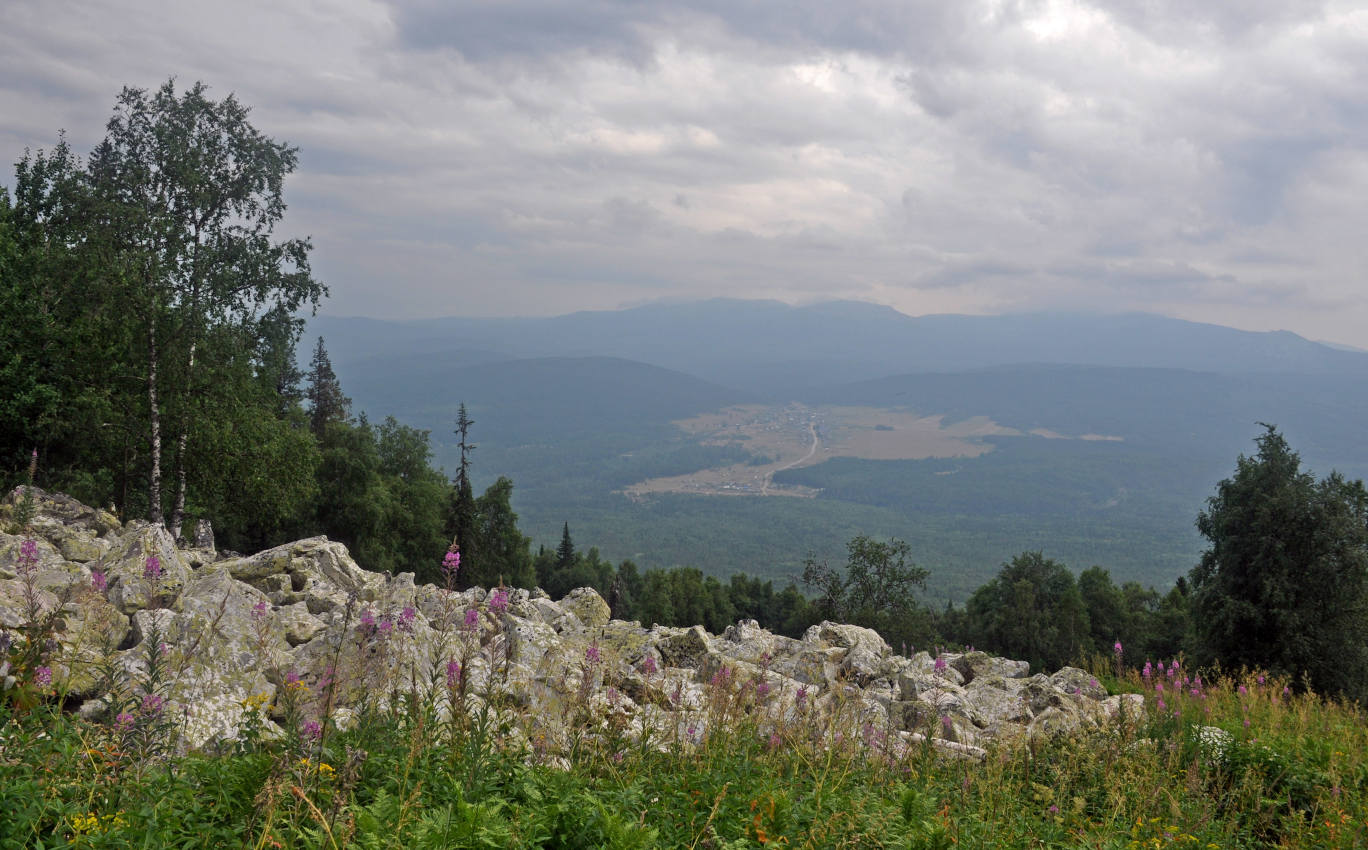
[565, 552]
[326, 401]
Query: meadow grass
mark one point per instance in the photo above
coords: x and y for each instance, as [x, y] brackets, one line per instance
[1241, 762]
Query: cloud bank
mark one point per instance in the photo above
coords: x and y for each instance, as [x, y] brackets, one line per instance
[1207, 160]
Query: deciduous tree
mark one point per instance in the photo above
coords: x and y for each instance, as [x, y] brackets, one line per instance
[1284, 582]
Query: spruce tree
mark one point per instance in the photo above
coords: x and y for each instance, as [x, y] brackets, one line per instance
[326, 401]
[565, 553]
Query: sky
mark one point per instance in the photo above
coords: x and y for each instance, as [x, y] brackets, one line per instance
[1204, 160]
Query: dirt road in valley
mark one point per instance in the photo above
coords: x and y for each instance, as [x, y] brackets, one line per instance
[812, 450]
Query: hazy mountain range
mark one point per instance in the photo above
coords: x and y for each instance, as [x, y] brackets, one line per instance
[576, 407]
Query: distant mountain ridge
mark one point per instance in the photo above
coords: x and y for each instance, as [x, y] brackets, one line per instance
[768, 346]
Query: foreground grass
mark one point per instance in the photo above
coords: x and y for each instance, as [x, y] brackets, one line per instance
[1288, 771]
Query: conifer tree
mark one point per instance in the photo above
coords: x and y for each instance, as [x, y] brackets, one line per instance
[326, 401]
[565, 553]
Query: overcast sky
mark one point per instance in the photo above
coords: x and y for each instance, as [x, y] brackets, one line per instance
[1207, 160]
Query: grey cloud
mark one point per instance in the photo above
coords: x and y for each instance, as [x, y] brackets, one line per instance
[626, 28]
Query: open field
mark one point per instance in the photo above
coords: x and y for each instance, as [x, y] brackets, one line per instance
[797, 435]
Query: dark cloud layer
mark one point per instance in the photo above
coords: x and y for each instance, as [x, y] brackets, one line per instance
[1207, 160]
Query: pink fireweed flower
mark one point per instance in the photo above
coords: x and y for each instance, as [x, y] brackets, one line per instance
[801, 698]
[1162, 705]
[1261, 680]
[649, 665]
[311, 731]
[762, 690]
[1242, 690]
[1116, 647]
[367, 622]
[98, 581]
[940, 663]
[498, 601]
[775, 741]
[43, 676]
[472, 619]
[592, 655]
[451, 563]
[151, 704]
[1148, 672]
[152, 568]
[385, 627]
[259, 610]
[292, 679]
[125, 720]
[453, 673]
[28, 556]
[406, 618]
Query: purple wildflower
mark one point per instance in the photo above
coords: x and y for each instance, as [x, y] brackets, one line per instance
[472, 618]
[592, 655]
[451, 564]
[1261, 680]
[453, 672]
[259, 610]
[1054, 810]
[28, 556]
[1148, 672]
[151, 704]
[762, 690]
[292, 679]
[947, 724]
[649, 665]
[500, 601]
[774, 741]
[1161, 704]
[1242, 690]
[43, 676]
[311, 731]
[125, 720]
[940, 663]
[98, 580]
[367, 622]
[406, 617]
[1116, 647]
[801, 698]
[152, 568]
[385, 627]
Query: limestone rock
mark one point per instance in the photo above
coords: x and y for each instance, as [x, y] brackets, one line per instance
[303, 625]
[132, 586]
[588, 606]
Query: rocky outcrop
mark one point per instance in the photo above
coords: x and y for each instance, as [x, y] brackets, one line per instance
[301, 631]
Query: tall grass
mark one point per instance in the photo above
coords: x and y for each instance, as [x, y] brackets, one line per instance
[1241, 761]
